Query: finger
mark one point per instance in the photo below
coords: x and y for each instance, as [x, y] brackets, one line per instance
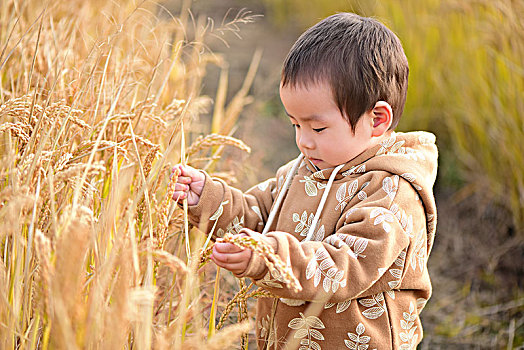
[192, 199]
[179, 195]
[186, 170]
[184, 180]
[181, 187]
[227, 248]
[181, 169]
[230, 258]
[235, 268]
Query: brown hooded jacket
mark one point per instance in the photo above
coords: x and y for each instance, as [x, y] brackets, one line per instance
[361, 258]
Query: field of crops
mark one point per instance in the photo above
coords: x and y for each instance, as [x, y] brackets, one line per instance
[96, 98]
[99, 99]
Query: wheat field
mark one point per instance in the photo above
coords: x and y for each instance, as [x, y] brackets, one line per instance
[97, 100]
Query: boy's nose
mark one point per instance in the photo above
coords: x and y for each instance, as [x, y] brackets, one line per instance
[305, 141]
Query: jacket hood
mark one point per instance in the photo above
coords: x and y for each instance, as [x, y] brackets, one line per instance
[413, 152]
[412, 156]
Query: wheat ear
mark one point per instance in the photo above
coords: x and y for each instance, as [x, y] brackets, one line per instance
[272, 260]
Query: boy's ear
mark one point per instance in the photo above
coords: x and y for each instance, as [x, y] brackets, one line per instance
[382, 118]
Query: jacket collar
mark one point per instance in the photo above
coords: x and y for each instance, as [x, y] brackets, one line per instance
[354, 166]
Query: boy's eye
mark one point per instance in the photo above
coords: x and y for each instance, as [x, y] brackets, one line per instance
[295, 126]
[318, 129]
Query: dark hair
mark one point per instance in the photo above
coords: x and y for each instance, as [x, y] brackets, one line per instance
[358, 57]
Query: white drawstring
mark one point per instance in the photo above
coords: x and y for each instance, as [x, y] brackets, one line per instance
[322, 202]
[284, 189]
[281, 194]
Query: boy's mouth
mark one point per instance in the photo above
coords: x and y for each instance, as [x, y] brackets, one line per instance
[315, 161]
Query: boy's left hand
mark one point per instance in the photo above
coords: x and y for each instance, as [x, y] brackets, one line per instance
[231, 257]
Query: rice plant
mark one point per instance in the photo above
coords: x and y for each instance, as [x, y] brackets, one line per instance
[97, 100]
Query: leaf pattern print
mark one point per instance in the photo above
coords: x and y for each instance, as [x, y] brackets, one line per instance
[391, 146]
[397, 272]
[406, 222]
[341, 196]
[236, 225]
[391, 294]
[257, 211]
[375, 306]
[219, 211]
[259, 214]
[421, 302]
[269, 335]
[411, 178]
[357, 245]
[361, 194]
[263, 186]
[382, 216]
[358, 341]
[332, 276]
[319, 234]
[410, 153]
[426, 138]
[233, 227]
[349, 212]
[319, 175]
[271, 280]
[280, 182]
[341, 307]
[357, 169]
[409, 338]
[420, 252]
[390, 185]
[304, 222]
[216, 216]
[311, 186]
[307, 330]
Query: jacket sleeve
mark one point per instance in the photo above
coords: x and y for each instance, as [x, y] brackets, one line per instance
[222, 208]
[367, 254]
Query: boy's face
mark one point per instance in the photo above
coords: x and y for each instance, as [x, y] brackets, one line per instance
[322, 133]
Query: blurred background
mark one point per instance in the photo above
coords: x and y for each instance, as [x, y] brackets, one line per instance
[466, 85]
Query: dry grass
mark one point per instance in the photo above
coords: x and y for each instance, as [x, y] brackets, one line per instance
[93, 96]
[467, 83]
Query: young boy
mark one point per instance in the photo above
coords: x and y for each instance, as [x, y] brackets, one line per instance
[354, 216]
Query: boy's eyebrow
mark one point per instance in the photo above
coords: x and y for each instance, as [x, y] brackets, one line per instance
[308, 118]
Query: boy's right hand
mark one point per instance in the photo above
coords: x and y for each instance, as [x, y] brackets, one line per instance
[189, 184]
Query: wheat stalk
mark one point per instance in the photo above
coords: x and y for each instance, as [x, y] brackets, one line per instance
[84, 164]
[174, 263]
[265, 251]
